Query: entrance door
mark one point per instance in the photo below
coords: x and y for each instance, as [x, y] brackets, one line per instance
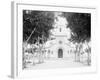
[60, 53]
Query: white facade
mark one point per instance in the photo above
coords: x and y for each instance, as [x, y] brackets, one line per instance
[60, 43]
[60, 46]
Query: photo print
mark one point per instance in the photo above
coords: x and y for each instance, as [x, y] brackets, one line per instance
[55, 39]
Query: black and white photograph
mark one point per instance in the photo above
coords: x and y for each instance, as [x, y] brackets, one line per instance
[55, 39]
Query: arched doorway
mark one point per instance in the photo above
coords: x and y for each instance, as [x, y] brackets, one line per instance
[60, 53]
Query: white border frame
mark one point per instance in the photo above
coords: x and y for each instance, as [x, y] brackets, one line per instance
[17, 28]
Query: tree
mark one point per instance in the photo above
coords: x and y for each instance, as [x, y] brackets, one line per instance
[88, 51]
[80, 25]
[36, 28]
[41, 21]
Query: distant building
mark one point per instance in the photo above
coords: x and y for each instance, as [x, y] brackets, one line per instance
[60, 46]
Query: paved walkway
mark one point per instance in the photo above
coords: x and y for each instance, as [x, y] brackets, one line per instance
[57, 63]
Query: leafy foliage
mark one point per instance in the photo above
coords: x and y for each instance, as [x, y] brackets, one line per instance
[41, 21]
[80, 25]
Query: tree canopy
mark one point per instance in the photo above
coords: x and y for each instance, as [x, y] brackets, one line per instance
[80, 25]
[38, 21]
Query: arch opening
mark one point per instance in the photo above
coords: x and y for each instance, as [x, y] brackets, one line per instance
[60, 53]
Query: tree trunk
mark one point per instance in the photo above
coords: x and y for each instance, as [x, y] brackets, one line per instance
[89, 59]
